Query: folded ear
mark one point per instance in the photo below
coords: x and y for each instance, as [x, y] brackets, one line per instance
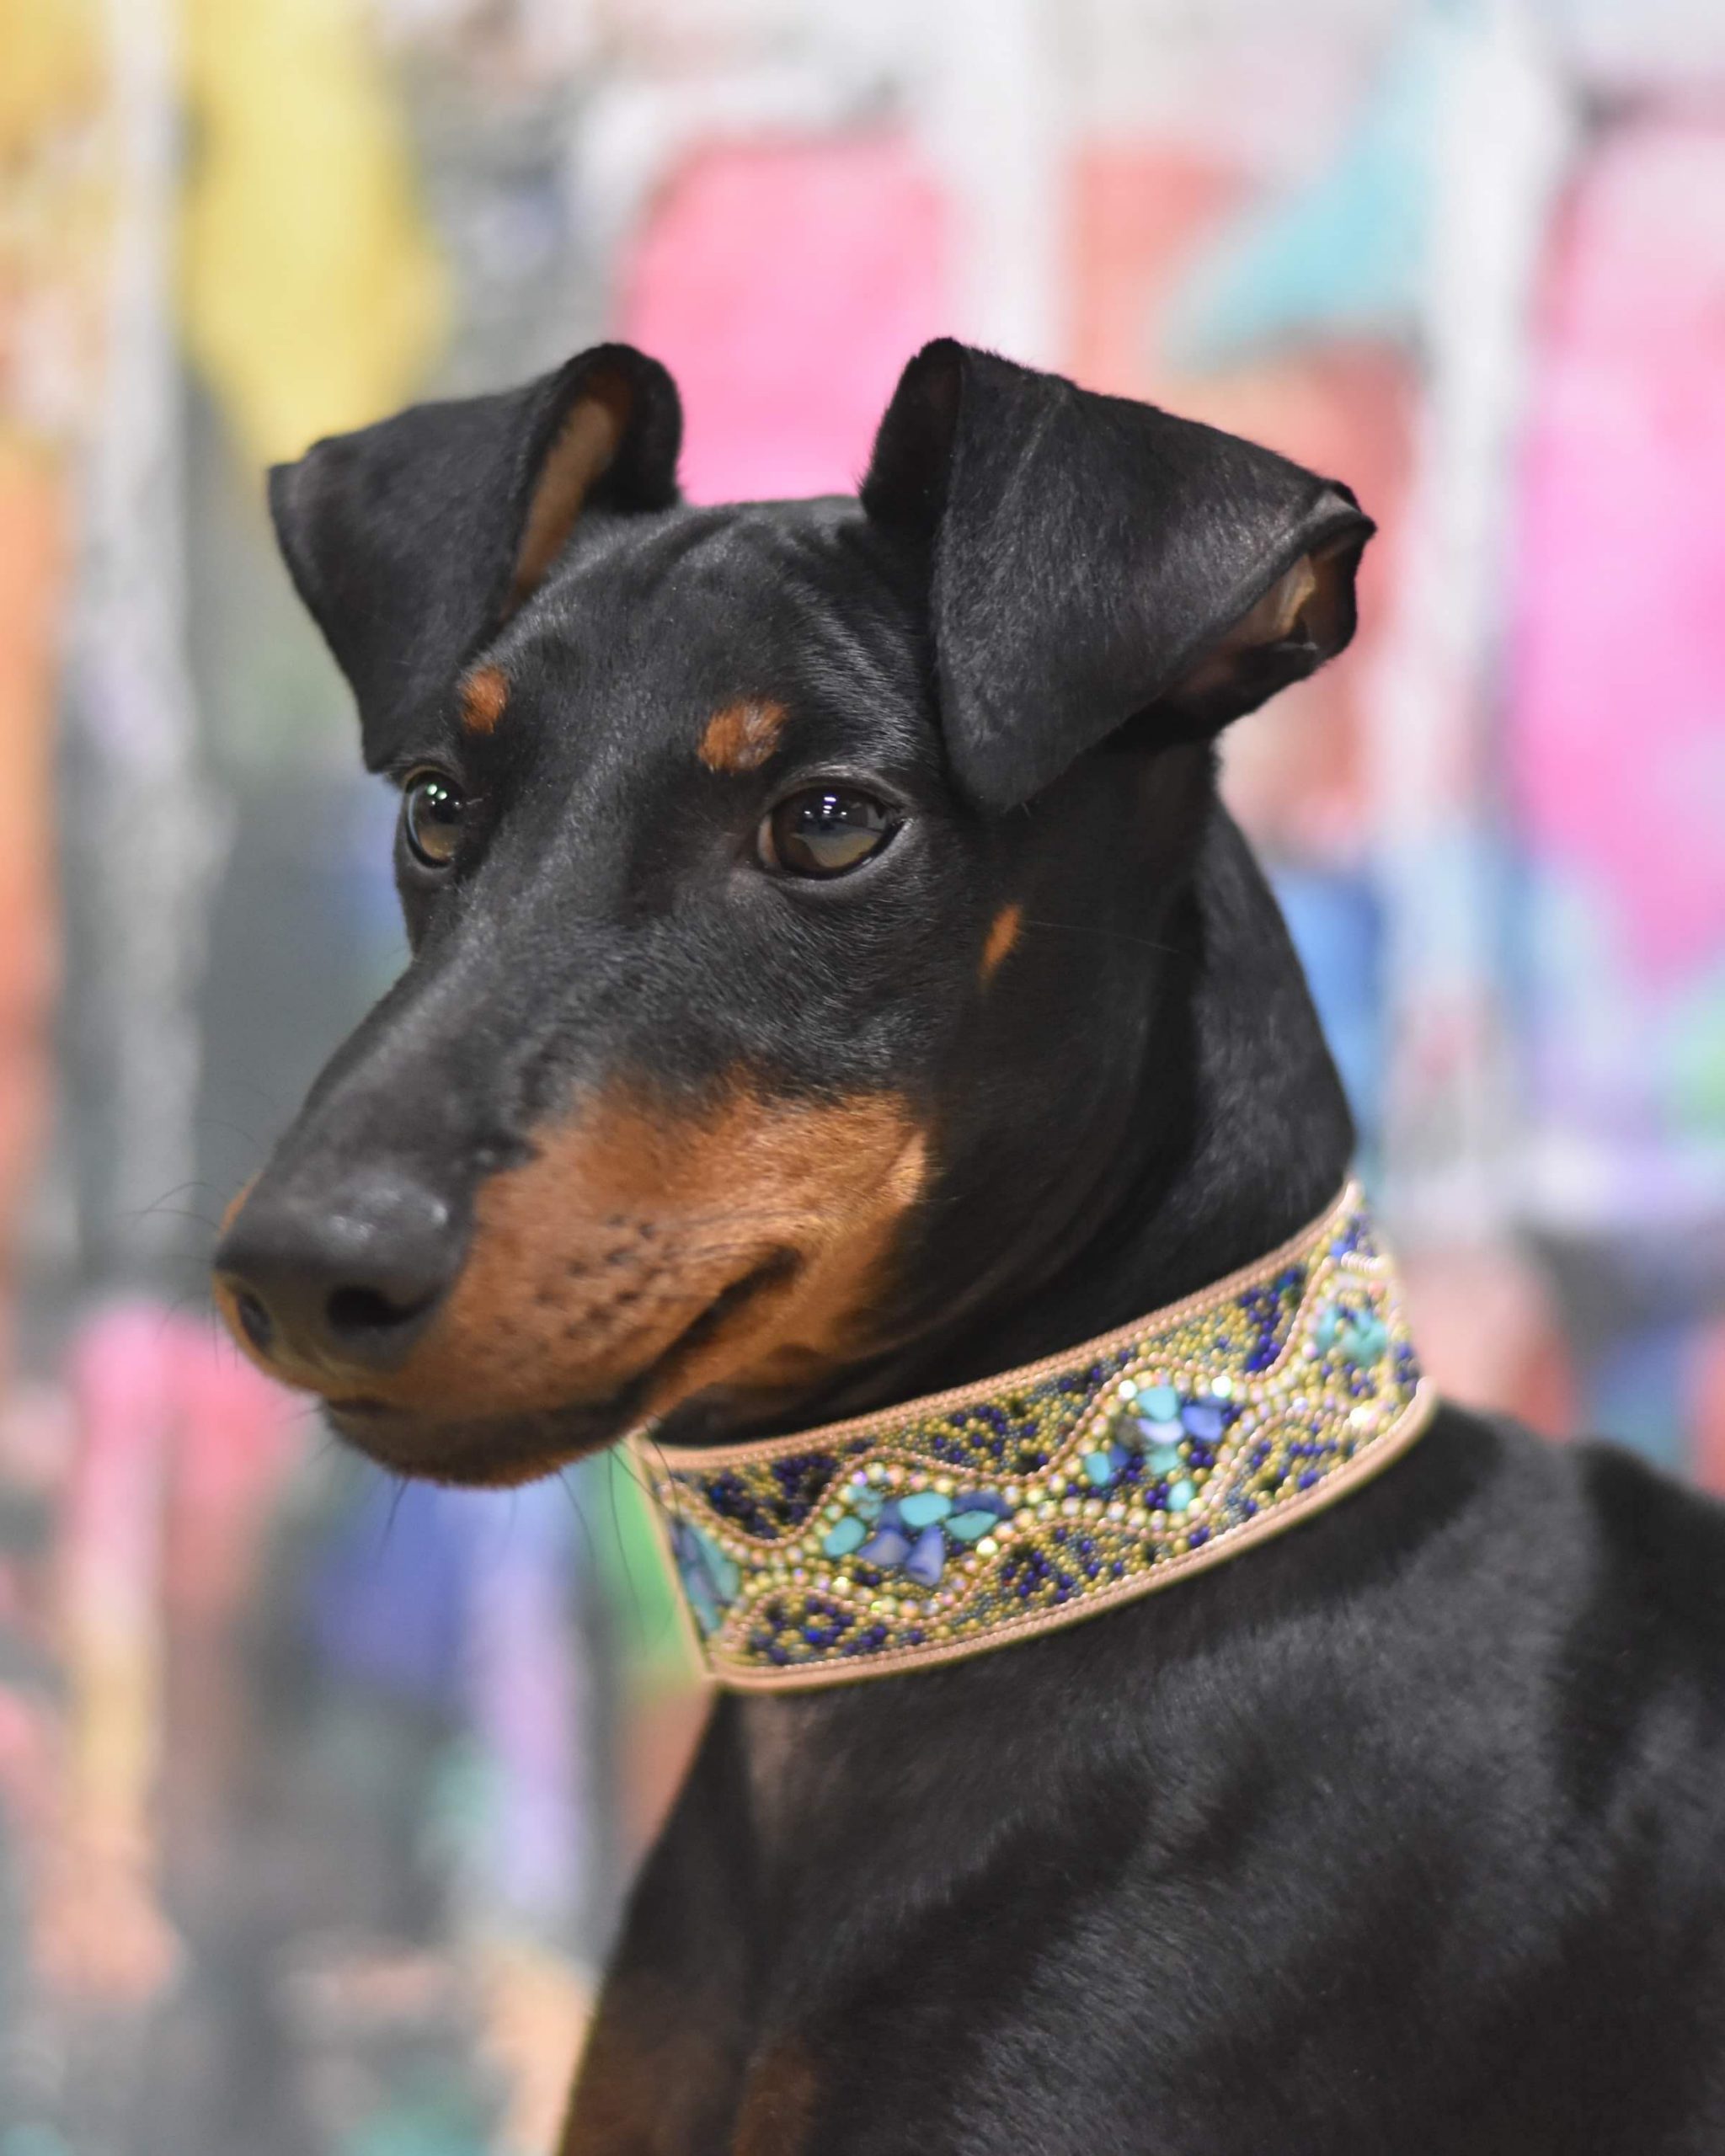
[1093, 560]
[414, 540]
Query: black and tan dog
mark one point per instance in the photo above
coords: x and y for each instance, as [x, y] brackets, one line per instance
[834, 977]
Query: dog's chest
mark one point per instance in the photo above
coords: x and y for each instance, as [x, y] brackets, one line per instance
[1300, 1863]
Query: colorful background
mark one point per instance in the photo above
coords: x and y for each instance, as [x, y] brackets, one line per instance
[317, 1793]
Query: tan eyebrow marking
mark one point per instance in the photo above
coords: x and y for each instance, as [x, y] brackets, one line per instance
[742, 736]
[483, 696]
[1003, 935]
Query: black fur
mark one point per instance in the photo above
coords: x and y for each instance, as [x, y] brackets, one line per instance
[1399, 1832]
[1085, 552]
[401, 538]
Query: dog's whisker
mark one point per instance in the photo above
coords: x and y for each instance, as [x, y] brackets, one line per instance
[1103, 934]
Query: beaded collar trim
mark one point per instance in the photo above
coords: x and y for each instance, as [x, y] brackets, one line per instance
[957, 1523]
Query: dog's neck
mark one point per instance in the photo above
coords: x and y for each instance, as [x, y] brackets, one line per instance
[1222, 1352]
[1227, 1134]
[1238, 1132]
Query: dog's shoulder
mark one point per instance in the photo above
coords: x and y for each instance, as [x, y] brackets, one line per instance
[1576, 1594]
[1665, 1539]
[1642, 1539]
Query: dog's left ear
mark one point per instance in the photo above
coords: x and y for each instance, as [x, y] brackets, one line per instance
[1093, 560]
[414, 540]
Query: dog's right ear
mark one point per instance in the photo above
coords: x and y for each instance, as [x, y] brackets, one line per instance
[414, 540]
[1092, 562]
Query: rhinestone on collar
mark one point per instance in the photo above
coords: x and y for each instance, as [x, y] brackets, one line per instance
[957, 1523]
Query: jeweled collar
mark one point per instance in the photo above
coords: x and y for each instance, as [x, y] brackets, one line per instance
[955, 1524]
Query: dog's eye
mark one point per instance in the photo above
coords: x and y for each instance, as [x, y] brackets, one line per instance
[431, 807]
[825, 831]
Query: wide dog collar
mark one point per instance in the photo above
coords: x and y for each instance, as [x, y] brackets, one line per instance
[955, 1524]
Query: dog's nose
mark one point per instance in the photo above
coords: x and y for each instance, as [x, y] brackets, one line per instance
[345, 1281]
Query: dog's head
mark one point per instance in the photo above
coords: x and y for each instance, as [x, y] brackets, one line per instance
[782, 881]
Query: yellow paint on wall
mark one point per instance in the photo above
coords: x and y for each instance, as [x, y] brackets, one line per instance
[315, 298]
[50, 66]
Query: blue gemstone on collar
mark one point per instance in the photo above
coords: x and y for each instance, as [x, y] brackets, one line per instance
[889, 1548]
[700, 1599]
[921, 1508]
[847, 1534]
[972, 1524]
[1098, 1468]
[927, 1558]
[722, 1569]
[702, 1583]
[1202, 1418]
[1160, 1402]
[1365, 1340]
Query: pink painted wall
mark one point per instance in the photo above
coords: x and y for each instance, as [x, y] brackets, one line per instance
[785, 284]
[1619, 668]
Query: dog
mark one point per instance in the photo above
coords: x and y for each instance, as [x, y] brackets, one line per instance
[835, 983]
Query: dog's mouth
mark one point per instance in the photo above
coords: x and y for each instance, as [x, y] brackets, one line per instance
[511, 1447]
[639, 1262]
